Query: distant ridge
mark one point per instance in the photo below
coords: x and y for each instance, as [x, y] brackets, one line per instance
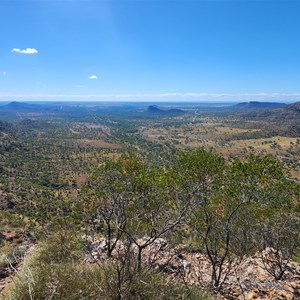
[283, 120]
[20, 106]
[295, 107]
[289, 112]
[154, 110]
[258, 105]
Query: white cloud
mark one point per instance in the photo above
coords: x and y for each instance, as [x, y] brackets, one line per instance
[25, 51]
[93, 77]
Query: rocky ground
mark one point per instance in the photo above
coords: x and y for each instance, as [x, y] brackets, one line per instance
[11, 263]
[246, 279]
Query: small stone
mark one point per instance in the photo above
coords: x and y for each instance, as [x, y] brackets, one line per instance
[252, 295]
[8, 235]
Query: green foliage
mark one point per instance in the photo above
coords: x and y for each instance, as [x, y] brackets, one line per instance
[237, 208]
[56, 271]
[223, 209]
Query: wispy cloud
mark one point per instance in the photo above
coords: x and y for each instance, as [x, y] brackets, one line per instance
[4, 73]
[93, 77]
[152, 97]
[40, 84]
[25, 51]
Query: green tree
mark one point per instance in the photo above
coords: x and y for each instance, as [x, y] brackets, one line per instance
[137, 201]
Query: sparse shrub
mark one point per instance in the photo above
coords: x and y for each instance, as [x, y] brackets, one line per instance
[63, 246]
[55, 271]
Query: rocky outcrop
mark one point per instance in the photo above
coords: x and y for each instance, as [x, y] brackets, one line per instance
[246, 278]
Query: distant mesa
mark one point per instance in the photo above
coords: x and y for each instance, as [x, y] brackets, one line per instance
[290, 112]
[20, 106]
[258, 105]
[154, 110]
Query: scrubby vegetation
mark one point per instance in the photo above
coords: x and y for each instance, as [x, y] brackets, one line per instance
[90, 207]
[56, 271]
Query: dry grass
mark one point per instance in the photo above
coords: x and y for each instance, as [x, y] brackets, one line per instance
[57, 271]
[97, 144]
[266, 143]
[231, 130]
[212, 133]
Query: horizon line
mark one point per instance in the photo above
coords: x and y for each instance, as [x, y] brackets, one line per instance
[158, 97]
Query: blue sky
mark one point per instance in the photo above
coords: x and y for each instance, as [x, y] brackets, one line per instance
[150, 50]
